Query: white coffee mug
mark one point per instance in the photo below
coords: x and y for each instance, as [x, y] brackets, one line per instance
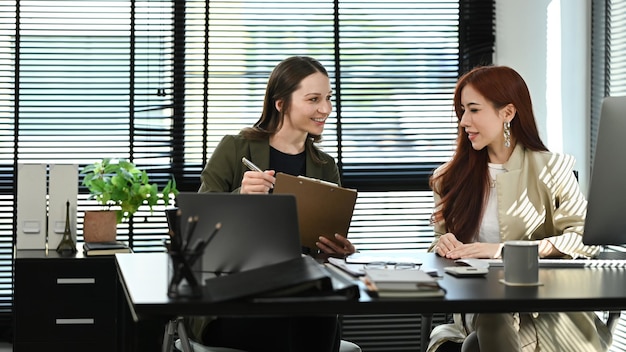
[521, 262]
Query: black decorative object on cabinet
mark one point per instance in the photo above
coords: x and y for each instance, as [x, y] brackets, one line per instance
[67, 246]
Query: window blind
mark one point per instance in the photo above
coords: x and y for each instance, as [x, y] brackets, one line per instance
[599, 57]
[393, 67]
[616, 74]
[8, 102]
[151, 110]
[398, 66]
[95, 81]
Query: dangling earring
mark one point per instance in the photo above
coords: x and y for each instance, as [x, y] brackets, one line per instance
[507, 134]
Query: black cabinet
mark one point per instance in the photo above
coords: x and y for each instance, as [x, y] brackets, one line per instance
[65, 303]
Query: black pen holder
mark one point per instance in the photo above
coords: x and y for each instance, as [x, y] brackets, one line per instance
[184, 274]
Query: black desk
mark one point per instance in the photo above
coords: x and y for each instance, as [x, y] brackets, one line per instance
[144, 279]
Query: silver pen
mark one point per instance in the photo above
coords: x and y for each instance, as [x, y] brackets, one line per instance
[250, 165]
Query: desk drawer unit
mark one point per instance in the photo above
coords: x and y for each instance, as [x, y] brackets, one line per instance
[64, 304]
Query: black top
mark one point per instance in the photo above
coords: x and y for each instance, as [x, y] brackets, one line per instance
[292, 164]
[288, 163]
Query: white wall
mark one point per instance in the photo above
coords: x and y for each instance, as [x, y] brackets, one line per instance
[548, 43]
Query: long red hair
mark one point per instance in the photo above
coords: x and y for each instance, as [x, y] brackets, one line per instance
[463, 183]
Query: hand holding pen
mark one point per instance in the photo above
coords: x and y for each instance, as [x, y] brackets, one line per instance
[256, 180]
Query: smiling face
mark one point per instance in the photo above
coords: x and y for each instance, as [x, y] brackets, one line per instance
[310, 106]
[483, 123]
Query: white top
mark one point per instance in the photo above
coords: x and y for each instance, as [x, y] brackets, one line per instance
[489, 230]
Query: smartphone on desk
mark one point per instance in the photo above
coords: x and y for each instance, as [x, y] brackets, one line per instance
[465, 271]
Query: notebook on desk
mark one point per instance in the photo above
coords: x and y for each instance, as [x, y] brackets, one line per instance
[323, 208]
[256, 230]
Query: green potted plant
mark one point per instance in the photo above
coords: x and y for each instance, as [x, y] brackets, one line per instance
[121, 188]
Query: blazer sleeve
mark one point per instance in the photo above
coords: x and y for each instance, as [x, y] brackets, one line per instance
[568, 218]
[224, 170]
[439, 228]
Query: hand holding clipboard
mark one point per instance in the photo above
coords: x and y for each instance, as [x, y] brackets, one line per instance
[323, 207]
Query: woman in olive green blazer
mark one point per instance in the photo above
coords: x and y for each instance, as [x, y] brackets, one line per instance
[284, 139]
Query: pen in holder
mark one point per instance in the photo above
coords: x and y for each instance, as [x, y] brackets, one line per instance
[181, 268]
[184, 256]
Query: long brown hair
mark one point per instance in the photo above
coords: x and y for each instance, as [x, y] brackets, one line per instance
[284, 80]
[463, 183]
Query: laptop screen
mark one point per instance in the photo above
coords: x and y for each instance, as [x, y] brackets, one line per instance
[256, 230]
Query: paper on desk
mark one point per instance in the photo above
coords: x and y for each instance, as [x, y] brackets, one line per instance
[352, 269]
[359, 269]
[384, 256]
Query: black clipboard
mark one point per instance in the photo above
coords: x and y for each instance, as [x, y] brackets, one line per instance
[323, 208]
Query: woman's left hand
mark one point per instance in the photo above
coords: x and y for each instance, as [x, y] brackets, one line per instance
[341, 246]
[475, 250]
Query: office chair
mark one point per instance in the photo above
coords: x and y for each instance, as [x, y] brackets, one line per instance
[612, 319]
[183, 343]
[472, 340]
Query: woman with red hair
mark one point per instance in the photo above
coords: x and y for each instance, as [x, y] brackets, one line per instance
[503, 184]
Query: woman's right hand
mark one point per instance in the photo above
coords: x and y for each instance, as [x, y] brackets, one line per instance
[448, 246]
[255, 182]
[447, 243]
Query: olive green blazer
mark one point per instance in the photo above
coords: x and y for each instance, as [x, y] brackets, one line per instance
[224, 171]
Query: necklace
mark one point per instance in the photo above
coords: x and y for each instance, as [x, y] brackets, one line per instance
[494, 169]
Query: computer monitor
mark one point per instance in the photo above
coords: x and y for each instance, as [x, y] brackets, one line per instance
[605, 223]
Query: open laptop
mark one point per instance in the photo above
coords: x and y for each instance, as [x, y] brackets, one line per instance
[256, 230]
[605, 223]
